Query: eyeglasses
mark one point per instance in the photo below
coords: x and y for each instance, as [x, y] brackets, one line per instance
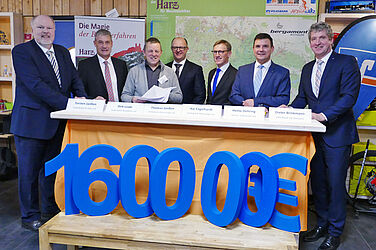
[178, 48]
[219, 52]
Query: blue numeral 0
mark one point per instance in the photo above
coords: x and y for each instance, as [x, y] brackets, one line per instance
[265, 189]
[186, 184]
[235, 191]
[127, 180]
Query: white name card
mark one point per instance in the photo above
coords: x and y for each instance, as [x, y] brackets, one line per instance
[125, 108]
[290, 115]
[85, 105]
[197, 110]
[162, 109]
[244, 113]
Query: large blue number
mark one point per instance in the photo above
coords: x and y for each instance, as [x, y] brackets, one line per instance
[279, 220]
[186, 184]
[127, 180]
[82, 180]
[235, 190]
[68, 158]
[264, 190]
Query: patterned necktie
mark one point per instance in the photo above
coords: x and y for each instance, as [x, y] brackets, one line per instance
[318, 78]
[258, 79]
[177, 65]
[107, 77]
[55, 66]
[215, 80]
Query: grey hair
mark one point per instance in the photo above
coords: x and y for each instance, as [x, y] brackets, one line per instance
[34, 18]
[319, 26]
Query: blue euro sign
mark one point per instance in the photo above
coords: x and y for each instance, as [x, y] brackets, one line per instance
[82, 180]
[127, 180]
[157, 185]
[265, 189]
[279, 220]
[235, 189]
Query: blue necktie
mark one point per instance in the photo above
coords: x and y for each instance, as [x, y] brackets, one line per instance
[215, 80]
[258, 79]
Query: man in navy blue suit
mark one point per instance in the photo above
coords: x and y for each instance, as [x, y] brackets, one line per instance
[190, 75]
[261, 83]
[45, 78]
[330, 86]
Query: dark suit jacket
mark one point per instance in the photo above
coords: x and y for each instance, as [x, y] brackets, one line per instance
[192, 83]
[91, 74]
[223, 90]
[339, 88]
[274, 91]
[38, 92]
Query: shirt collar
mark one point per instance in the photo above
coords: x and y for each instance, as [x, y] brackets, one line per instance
[182, 62]
[326, 57]
[44, 49]
[225, 67]
[101, 60]
[266, 65]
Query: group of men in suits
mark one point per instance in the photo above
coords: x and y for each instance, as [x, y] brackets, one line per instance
[46, 78]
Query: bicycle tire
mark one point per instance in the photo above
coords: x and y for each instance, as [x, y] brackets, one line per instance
[350, 171]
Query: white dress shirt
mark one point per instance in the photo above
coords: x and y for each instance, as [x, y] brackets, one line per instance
[112, 74]
[221, 73]
[181, 67]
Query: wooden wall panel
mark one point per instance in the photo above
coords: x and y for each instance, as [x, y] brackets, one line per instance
[87, 7]
[133, 8]
[36, 7]
[143, 4]
[4, 5]
[65, 4]
[106, 6]
[96, 7]
[46, 7]
[58, 7]
[18, 6]
[76, 7]
[27, 7]
[122, 7]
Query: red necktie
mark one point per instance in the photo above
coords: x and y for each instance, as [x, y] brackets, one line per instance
[108, 82]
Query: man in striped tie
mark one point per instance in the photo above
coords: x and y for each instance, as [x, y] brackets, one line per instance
[103, 75]
[45, 79]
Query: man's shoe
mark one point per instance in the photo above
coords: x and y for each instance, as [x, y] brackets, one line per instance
[330, 243]
[32, 225]
[315, 234]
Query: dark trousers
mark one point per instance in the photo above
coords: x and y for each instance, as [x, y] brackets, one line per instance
[32, 154]
[328, 175]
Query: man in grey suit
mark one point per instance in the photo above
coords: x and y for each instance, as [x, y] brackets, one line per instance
[153, 72]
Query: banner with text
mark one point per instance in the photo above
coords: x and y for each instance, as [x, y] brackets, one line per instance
[128, 36]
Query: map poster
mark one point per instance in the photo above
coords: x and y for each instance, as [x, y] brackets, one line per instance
[127, 35]
[291, 7]
[236, 21]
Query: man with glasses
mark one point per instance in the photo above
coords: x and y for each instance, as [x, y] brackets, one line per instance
[153, 72]
[261, 83]
[221, 79]
[190, 75]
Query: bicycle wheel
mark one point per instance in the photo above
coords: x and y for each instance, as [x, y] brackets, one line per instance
[355, 163]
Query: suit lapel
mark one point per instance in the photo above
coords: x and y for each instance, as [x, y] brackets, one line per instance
[327, 70]
[99, 73]
[251, 72]
[266, 80]
[60, 62]
[221, 83]
[117, 72]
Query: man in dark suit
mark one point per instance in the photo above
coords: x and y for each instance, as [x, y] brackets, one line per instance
[103, 76]
[221, 79]
[45, 78]
[330, 86]
[261, 83]
[190, 75]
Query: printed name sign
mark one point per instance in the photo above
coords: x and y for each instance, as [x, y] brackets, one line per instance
[290, 115]
[197, 110]
[125, 108]
[244, 113]
[85, 105]
[265, 190]
[162, 109]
